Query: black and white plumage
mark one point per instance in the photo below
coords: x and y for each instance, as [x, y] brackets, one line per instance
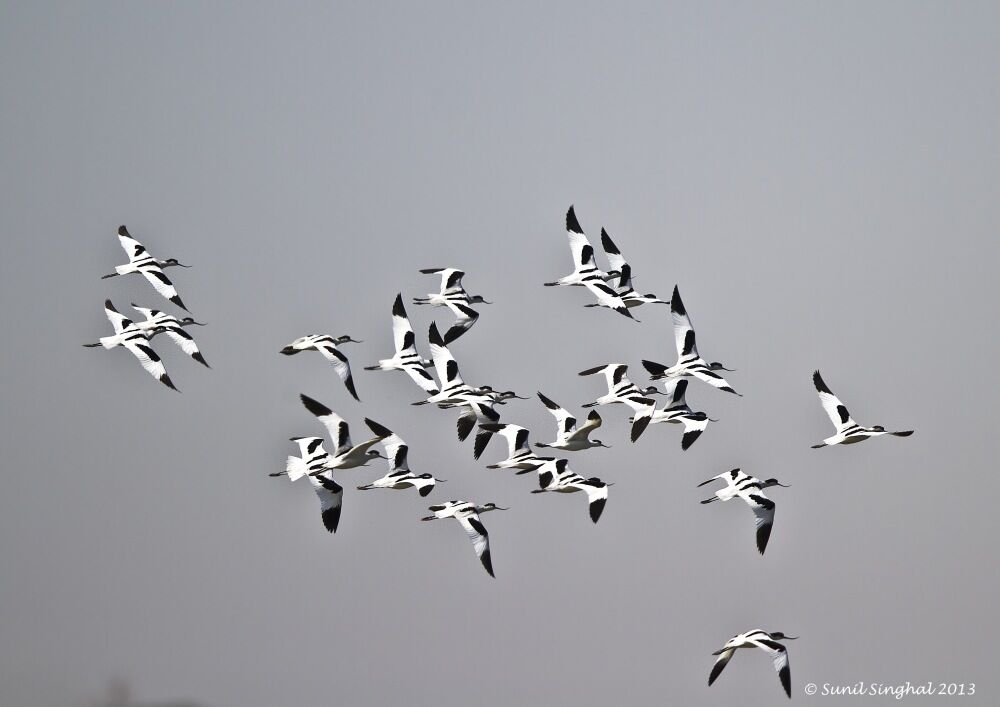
[555, 476]
[345, 455]
[676, 411]
[585, 271]
[751, 490]
[569, 437]
[689, 362]
[327, 345]
[157, 322]
[400, 476]
[140, 261]
[625, 291]
[467, 514]
[314, 464]
[620, 388]
[848, 431]
[406, 358]
[766, 641]
[519, 454]
[134, 340]
[452, 295]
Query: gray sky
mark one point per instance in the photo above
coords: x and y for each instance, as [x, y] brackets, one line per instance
[820, 179]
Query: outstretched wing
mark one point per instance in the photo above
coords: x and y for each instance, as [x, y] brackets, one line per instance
[779, 656]
[565, 422]
[835, 409]
[694, 425]
[334, 423]
[140, 348]
[133, 248]
[186, 343]
[118, 320]
[395, 448]
[403, 338]
[683, 331]
[161, 283]
[579, 246]
[331, 496]
[340, 365]
[763, 511]
[720, 663]
[607, 297]
[445, 364]
[476, 531]
[465, 317]
[616, 260]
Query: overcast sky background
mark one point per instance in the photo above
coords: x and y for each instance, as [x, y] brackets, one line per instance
[820, 179]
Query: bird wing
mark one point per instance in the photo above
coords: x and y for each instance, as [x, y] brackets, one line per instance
[133, 248]
[148, 358]
[835, 409]
[579, 246]
[465, 317]
[713, 379]
[451, 279]
[186, 343]
[403, 338]
[146, 312]
[331, 496]
[763, 511]
[445, 364]
[593, 422]
[422, 378]
[334, 423]
[565, 422]
[476, 531]
[517, 439]
[340, 365]
[779, 657]
[161, 283]
[693, 427]
[720, 663]
[395, 448]
[616, 260]
[118, 320]
[597, 495]
[683, 331]
[676, 389]
[607, 297]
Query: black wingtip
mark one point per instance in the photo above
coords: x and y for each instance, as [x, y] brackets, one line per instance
[177, 300]
[200, 359]
[331, 519]
[397, 306]
[314, 406]
[547, 402]
[597, 508]
[653, 368]
[377, 429]
[487, 563]
[592, 371]
[689, 438]
[425, 490]
[820, 384]
[165, 379]
[785, 675]
[608, 244]
[676, 305]
[571, 223]
[639, 426]
[434, 336]
[349, 384]
[593, 415]
[122, 231]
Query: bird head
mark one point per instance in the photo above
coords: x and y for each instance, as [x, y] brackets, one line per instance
[345, 339]
[716, 366]
[173, 261]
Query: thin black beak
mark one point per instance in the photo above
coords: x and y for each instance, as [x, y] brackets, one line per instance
[182, 265]
[785, 486]
[353, 341]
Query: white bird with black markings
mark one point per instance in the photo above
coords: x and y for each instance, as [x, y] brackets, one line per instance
[848, 431]
[327, 345]
[676, 411]
[135, 341]
[569, 437]
[140, 261]
[768, 641]
[400, 476]
[406, 358]
[750, 489]
[689, 362]
[313, 464]
[158, 322]
[452, 295]
[555, 476]
[620, 388]
[585, 271]
[618, 264]
[519, 454]
[345, 455]
[467, 514]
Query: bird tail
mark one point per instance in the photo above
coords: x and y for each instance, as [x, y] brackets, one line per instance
[296, 468]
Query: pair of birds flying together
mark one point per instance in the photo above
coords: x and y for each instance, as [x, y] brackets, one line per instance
[136, 336]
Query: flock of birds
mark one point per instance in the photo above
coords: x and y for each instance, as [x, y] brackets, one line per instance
[441, 382]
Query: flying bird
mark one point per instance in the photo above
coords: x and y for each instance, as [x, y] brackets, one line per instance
[676, 411]
[345, 455]
[556, 476]
[452, 295]
[689, 362]
[519, 454]
[406, 358]
[620, 388]
[400, 476]
[569, 437]
[618, 264]
[327, 345]
[135, 341]
[766, 641]
[848, 431]
[467, 514]
[140, 261]
[585, 271]
[157, 322]
[750, 489]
